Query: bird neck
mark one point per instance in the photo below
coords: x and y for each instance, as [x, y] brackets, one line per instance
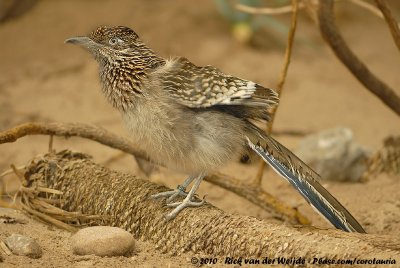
[123, 77]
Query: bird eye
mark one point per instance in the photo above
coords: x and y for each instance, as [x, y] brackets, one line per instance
[115, 40]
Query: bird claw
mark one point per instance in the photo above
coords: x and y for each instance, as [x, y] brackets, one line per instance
[170, 194]
[181, 191]
[179, 206]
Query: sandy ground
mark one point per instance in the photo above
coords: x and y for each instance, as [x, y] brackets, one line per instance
[42, 79]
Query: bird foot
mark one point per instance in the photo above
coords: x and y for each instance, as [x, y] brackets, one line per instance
[179, 206]
[179, 191]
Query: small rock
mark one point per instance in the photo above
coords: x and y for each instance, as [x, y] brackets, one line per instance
[24, 246]
[102, 241]
[334, 154]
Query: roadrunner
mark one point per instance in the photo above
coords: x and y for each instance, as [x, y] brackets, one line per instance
[196, 119]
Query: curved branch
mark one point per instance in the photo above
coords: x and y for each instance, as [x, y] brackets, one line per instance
[369, 7]
[257, 196]
[331, 35]
[392, 23]
[87, 131]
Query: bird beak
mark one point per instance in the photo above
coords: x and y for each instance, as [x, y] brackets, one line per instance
[78, 40]
[82, 41]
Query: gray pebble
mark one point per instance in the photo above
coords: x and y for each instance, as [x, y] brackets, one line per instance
[334, 154]
[24, 246]
[102, 241]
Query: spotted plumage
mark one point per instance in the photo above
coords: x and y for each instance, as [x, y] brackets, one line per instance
[196, 119]
[200, 87]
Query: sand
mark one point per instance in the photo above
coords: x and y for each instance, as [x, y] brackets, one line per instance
[42, 79]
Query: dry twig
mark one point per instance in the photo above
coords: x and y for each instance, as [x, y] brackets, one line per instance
[114, 158]
[282, 79]
[50, 144]
[370, 8]
[331, 34]
[5, 249]
[258, 197]
[49, 219]
[288, 55]
[71, 129]
[11, 171]
[266, 10]
[392, 23]
[291, 132]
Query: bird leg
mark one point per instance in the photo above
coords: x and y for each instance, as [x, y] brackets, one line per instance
[179, 191]
[187, 202]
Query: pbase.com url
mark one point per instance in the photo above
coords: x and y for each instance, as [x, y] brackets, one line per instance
[288, 261]
[354, 261]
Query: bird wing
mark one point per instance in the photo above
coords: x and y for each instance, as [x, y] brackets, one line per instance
[305, 180]
[202, 87]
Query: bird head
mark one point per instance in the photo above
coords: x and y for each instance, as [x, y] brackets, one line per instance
[125, 62]
[111, 43]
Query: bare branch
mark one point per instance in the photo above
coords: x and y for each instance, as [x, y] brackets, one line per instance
[368, 7]
[392, 23]
[71, 129]
[331, 34]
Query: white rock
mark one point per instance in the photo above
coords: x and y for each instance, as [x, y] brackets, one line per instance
[24, 246]
[102, 241]
[334, 154]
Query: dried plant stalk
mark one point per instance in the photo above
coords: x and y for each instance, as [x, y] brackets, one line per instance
[282, 80]
[124, 199]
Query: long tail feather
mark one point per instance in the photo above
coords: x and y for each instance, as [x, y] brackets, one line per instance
[303, 178]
